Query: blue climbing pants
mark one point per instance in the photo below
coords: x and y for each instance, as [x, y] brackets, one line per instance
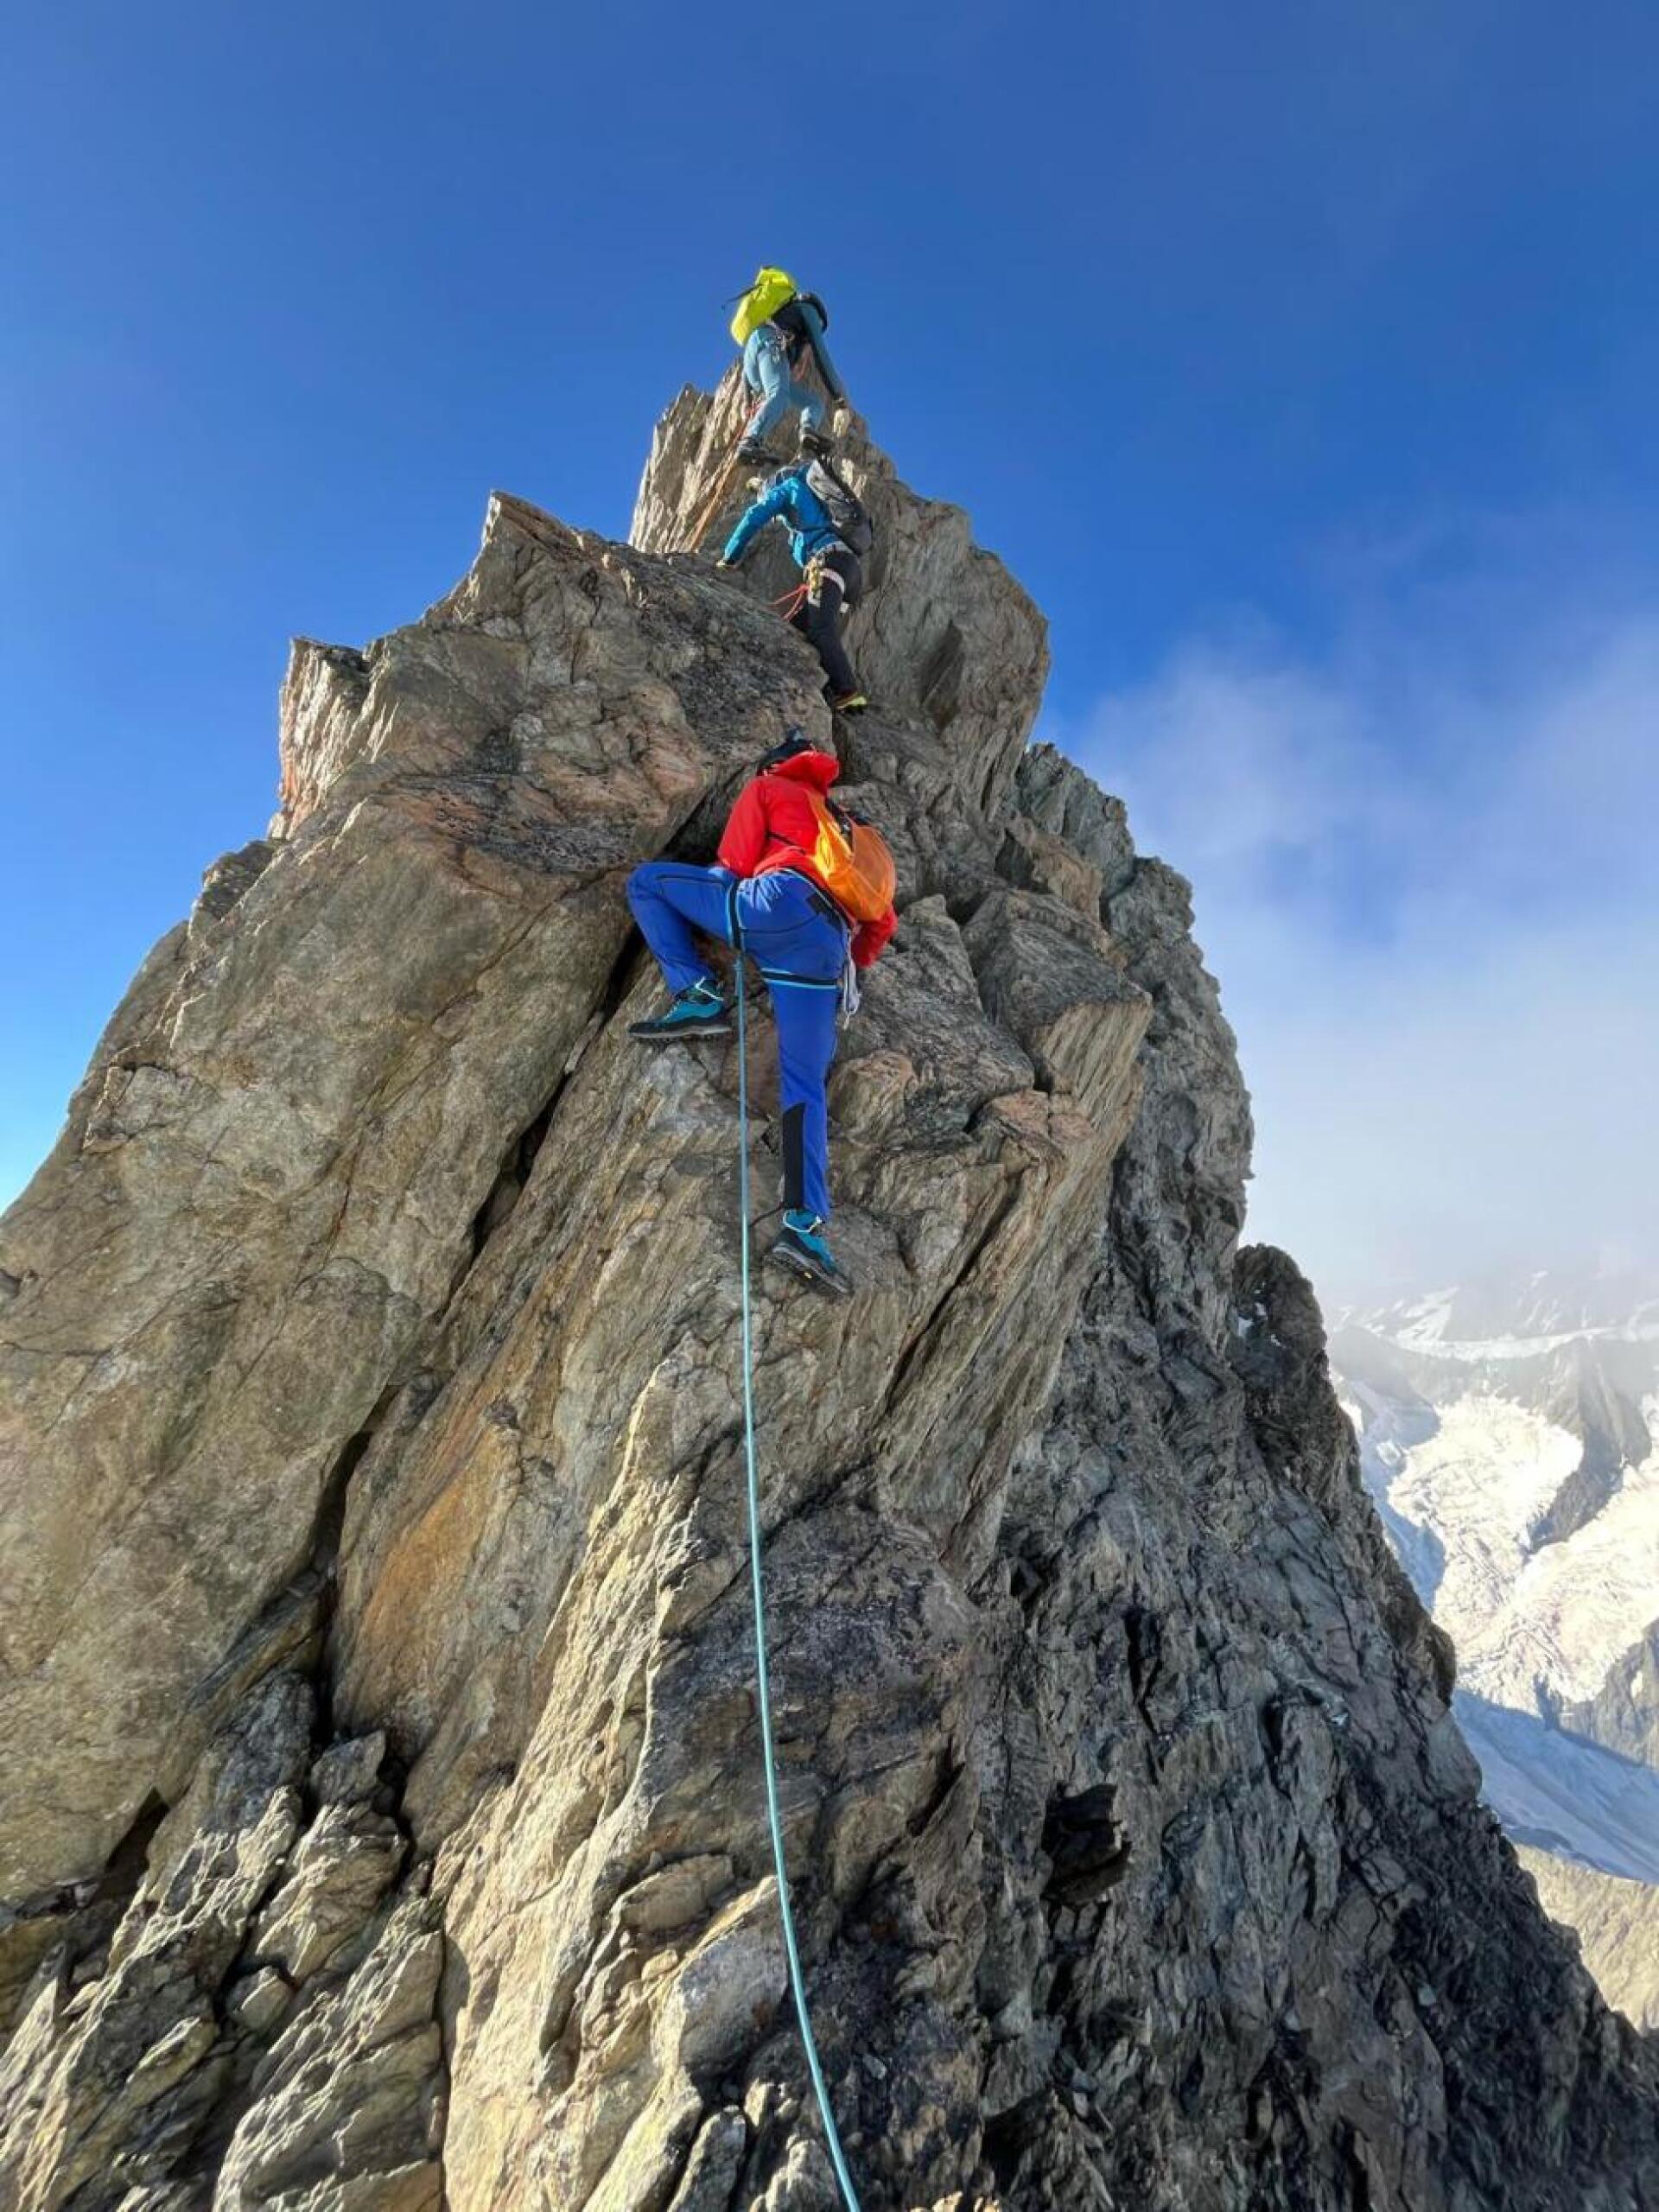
[795, 936]
[766, 369]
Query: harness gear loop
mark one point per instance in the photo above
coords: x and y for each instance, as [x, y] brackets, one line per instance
[815, 577]
[763, 1676]
[821, 576]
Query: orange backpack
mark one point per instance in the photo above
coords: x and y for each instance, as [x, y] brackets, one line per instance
[852, 860]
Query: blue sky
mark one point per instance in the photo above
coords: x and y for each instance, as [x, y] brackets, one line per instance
[1301, 361]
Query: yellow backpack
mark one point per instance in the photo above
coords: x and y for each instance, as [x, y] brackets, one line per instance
[853, 861]
[772, 290]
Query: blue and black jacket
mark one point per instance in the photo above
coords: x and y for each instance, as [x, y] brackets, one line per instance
[788, 499]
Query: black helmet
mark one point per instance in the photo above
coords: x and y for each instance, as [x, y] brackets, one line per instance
[795, 740]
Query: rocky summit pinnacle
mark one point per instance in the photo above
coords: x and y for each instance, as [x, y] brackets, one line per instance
[381, 1820]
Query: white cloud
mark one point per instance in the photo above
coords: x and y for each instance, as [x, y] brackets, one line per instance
[1426, 874]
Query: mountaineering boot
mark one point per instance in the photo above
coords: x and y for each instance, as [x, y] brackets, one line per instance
[754, 455]
[800, 1247]
[848, 702]
[815, 443]
[699, 1011]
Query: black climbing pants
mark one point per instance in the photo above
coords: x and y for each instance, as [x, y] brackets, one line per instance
[835, 584]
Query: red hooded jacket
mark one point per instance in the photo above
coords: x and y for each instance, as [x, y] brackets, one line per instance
[773, 820]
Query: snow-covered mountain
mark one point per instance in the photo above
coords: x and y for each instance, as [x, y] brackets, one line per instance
[1509, 1435]
[1499, 1318]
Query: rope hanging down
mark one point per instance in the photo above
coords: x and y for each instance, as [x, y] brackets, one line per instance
[797, 1980]
[711, 506]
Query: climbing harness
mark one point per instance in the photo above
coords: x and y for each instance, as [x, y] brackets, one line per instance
[818, 573]
[797, 1980]
[809, 590]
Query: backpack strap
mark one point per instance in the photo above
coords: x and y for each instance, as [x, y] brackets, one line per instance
[846, 493]
[839, 480]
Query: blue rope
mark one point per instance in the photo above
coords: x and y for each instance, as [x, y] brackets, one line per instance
[797, 1980]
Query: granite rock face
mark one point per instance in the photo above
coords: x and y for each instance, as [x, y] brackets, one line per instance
[380, 1818]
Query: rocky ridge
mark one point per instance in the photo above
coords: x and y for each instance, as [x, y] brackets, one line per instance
[1616, 1923]
[381, 1815]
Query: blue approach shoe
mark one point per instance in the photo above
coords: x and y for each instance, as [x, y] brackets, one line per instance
[699, 1011]
[800, 1247]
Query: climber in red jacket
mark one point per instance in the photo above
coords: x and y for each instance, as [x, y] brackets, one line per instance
[771, 885]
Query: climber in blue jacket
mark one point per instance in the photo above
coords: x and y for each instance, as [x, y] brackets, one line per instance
[826, 552]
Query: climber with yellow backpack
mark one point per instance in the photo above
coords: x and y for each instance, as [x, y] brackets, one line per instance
[804, 888]
[778, 329]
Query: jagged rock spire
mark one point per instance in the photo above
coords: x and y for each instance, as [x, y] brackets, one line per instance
[380, 1810]
[947, 641]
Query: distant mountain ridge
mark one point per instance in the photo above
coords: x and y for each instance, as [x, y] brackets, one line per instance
[1528, 1314]
[1510, 1438]
[1525, 1423]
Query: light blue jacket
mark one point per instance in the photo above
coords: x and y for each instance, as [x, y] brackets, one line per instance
[790, 499]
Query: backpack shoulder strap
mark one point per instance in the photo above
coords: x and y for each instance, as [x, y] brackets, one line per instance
[847, 491]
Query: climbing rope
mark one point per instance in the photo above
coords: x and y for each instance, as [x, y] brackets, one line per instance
[797, 1980]
[711, 506]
